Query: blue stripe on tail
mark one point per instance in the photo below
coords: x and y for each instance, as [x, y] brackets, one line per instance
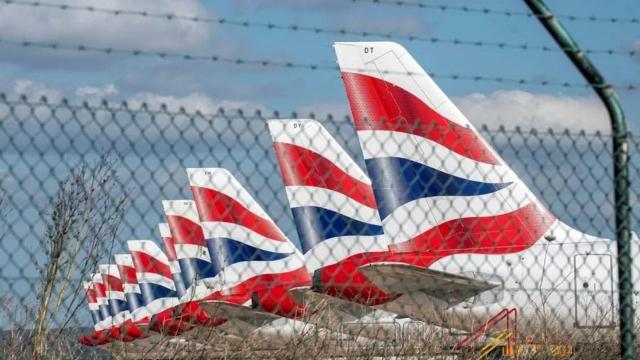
[179, 283]
[228, 252]
[397, 181]
[197, 269]
[316, 224]
[96, 316]
[117, 306]
[104, 311]
[154, 291]
[135, 301]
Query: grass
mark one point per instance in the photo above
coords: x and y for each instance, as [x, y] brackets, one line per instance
[311, 343]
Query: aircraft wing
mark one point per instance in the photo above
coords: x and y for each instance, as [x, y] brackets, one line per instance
[397, 278]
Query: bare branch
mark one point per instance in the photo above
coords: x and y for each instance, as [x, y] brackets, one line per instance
[86, 214]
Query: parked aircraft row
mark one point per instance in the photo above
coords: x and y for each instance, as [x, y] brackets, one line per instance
[438, 229]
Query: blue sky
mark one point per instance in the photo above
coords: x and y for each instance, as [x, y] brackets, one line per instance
[207, 85]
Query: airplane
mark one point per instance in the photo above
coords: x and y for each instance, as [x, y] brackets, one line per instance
[140, 316]
[333, 207]
[256, 263]
[467, 236]
[198, 267]
[184, 240]
[169, 250]
[100, 336]
[124, 329]
[336, 216]
[155, 280]
[152, 337]
[189, 309]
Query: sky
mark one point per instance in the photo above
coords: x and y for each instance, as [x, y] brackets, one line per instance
[206, 85]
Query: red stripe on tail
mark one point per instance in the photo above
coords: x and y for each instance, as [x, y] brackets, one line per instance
[145, 263]
[216, 206]
[185, 231]
[301, 166]
[100, 289]
[169, 248]
[502, 234]
[380, 105]
[112, 283]
[90, 293]
[128, 274]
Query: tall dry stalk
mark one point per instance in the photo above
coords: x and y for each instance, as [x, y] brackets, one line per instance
[86, 213]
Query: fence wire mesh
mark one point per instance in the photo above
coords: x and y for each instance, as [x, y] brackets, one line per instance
[238, 233]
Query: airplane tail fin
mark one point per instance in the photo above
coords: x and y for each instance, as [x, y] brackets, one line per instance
[247, 243]
[169, 245]
[114, 291]
[330, 197]
[92, 302]
[99, 336]
[439, 186]
[190, 259]
[168, 242]
[131, 288]
[101, 297]
[153, 271]
[191, 251]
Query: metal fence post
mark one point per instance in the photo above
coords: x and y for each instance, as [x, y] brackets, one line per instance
[620, 167]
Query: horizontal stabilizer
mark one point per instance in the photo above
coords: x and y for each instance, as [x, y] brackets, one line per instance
[227, 310]
[397, 278]
[340, 310]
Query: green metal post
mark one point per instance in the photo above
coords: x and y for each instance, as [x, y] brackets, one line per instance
[620, 168]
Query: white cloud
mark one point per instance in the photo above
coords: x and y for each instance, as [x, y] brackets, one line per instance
[192, 102]
[96, 92]
[541, 111]
[35, 90]
[308, 5]
[100, 29]
[509, 108]
[505, 107]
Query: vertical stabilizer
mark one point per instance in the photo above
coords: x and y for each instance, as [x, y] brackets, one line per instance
[253, 253]
[98, 336]
[153, 272]
[189, 244]
[169, 245]
[92, 302]
[428, 163]
[131, 288]
[190, 307]
[114, 290]
[101, 299]
[330, 197]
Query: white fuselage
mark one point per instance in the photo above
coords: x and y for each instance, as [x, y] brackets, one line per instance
[565, 284]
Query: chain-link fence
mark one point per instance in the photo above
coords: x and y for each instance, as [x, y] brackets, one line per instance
[242, 234]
